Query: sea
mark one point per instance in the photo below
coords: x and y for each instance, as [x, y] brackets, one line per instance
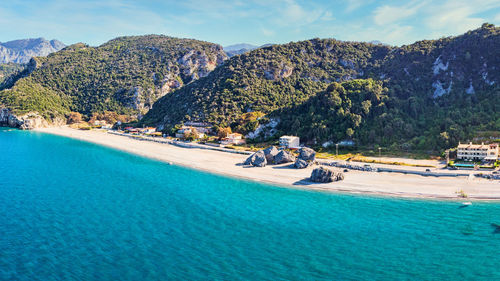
[71, 210]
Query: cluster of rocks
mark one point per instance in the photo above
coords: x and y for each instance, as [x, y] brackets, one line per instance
[270, 155]
[324, 175]
[284, 157]
[365, 168]
[258, 159]
[307, 157]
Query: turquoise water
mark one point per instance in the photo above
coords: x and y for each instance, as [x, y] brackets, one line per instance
[76, 211]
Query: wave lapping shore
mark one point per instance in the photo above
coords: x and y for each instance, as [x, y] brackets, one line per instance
[230, 164]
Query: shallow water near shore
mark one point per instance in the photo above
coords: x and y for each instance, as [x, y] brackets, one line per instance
[71, 210]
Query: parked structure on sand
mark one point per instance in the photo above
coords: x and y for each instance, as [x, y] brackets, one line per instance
[477, 152]
[289, 142]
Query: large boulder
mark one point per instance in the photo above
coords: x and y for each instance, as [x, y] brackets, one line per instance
[307, 154]
[301, 164]
[306, 157]
[258, 159]
[249, 160]
[325, 175]
[284, 156]
[270, 153]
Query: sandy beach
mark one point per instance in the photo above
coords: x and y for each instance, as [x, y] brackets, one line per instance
[230, 164]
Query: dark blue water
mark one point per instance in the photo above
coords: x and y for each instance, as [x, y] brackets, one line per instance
[76, 211]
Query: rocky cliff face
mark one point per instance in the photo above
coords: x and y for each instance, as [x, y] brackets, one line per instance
[190, 66]
[21, 51]
[28, 121]
[7, 119]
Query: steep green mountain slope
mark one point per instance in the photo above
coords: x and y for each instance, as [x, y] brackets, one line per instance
[432, 93]
[268, 79]
[365, 111]
[8, 69]
[125, 75]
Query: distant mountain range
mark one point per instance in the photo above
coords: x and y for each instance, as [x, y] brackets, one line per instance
[238, 49]
[21, 51]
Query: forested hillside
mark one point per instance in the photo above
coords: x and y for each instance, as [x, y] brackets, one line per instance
[268, 79]
[125, 75]
[431, 94]
[8, 69]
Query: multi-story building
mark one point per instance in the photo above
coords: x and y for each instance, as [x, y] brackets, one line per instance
[477, 152]
[289, 142]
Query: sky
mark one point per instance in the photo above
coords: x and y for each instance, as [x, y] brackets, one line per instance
[256, 22]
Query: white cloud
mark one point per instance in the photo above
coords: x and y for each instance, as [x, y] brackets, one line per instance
[296, 15]
[455, 17]
[258, 21]
[77, 21]
[456, 20]
[327, 16]
[389, 14]
[267, 32]
[353, 5]
[405, 24]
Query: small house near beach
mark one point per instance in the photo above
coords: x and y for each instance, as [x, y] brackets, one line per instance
[185, 130]
[233, 138]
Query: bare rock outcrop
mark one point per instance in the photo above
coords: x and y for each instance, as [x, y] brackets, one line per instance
[258, 159]
[324, 175]
[284, 157]
[198, 64]
[270, 153]
[278, 72]
[306, 158]
[8, 119]
[301, 164]
[28, 121]
[307, 154]
[32, 121]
